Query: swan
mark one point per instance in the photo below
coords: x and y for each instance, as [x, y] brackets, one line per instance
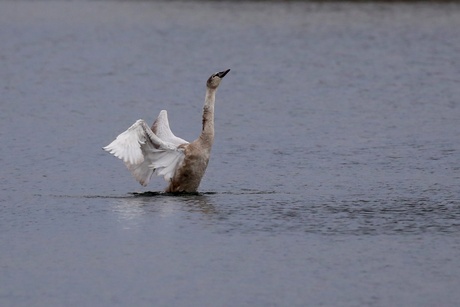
[146, 150]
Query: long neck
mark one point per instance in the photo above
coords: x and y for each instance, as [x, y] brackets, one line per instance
[207, 133]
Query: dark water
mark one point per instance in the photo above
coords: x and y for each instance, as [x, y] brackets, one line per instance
[334, 180]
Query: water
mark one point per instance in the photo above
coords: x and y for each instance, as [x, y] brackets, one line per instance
[334, 179]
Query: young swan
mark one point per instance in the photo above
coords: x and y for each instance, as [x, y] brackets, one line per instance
[157, 150]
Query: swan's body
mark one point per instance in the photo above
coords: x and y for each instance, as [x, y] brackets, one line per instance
[157, 150]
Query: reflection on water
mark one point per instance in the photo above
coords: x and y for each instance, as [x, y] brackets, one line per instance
[132, 211]
[279, 213]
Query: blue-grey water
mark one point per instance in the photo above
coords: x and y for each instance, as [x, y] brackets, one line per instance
[334, 179]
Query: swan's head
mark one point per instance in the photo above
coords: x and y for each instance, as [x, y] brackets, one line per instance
[214, 81]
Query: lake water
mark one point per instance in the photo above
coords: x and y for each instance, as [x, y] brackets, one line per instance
[334, 179]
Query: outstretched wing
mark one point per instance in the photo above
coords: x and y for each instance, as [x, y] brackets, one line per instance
[161, 129]
[144, 153]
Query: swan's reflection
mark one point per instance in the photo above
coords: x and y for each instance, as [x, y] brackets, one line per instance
[133, 211]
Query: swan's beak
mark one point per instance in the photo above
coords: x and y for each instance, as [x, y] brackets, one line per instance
[222, 73]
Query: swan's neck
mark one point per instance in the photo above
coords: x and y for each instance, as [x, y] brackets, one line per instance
[207, 133]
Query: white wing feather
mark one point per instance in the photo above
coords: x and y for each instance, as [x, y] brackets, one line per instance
[144, 153]
[161, 128]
